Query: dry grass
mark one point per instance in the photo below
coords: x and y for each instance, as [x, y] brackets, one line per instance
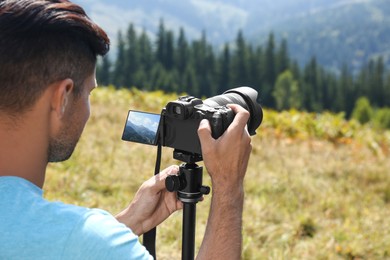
[308, 196]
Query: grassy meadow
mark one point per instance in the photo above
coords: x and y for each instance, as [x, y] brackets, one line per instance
[317, 186]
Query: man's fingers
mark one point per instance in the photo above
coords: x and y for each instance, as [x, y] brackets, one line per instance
[242, 116]
[204, 133]
[158, 181]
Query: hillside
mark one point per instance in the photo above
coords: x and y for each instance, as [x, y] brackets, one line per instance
[317, 186]
[336, 31]
[349, 33]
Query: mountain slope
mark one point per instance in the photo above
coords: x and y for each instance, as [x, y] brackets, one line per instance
[351, 33]
[138, 133]
[335, 31]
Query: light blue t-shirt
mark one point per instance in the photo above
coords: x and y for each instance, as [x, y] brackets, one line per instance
[34, 228]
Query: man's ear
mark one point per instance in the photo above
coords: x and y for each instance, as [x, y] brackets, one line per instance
[62, 96]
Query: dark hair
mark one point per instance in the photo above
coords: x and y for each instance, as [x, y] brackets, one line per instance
[41, 42]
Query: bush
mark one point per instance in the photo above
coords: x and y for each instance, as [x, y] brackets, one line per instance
[362, 111]
[382, 118]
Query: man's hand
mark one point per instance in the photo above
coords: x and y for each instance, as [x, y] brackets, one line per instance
[152, 204]
[226, 160]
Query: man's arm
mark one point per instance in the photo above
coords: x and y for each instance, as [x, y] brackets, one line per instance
[226, 160]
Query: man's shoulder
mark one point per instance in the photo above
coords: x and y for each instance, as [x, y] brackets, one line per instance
[24, 201]
[25, 211]
[36, 228]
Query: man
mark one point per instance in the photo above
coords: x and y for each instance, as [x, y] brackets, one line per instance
[48, 53]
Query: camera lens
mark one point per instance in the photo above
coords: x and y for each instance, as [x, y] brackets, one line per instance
[245, 97]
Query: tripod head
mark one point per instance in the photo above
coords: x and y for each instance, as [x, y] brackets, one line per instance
[186, 156]
[189, 188]
[188, 184]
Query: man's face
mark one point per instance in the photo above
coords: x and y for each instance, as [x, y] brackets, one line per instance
[77, 113]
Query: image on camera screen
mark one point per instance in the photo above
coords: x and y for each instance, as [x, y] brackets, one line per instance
[141, 127]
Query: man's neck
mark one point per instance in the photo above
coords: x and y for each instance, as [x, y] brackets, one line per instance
[23, 151]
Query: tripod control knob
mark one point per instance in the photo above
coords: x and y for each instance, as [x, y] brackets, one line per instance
[172, 183]
[205, 190]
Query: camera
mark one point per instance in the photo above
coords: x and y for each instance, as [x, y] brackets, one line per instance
[177, 127]
[178, 123]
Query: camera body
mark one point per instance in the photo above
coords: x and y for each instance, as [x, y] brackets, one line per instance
[181, 118]
[177, 125]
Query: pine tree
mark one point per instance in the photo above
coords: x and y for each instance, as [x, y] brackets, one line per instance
[145, 52]
[362, 84]
[378, 87]
[200, 53]
[132, 56]
[282, 58]
[103, 71]
[295, 70]
[224, 75]
[168, 61]
[371, 81]
[161, 43]
[119, 68]
[191, 81]
[256, 69]
[270, 71]
[329, 90]
[241, 61]
[182, 52]
[157, 77]
[312, 93]
[387, 91]
[346, 94]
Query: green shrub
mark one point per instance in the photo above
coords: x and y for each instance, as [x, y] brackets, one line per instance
[382, 118]
[362, 111]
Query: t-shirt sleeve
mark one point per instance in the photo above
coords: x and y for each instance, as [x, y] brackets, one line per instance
[100, 236]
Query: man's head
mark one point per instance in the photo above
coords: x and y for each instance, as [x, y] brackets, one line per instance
[42, 43]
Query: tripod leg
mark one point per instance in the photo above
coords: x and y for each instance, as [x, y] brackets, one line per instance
[188, 242]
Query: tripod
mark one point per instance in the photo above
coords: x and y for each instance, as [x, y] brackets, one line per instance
[188, 185]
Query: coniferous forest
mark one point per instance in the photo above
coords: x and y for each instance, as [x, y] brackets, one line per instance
[173, 64]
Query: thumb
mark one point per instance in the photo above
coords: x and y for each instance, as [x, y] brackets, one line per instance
[204, 133]
[158, 181]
